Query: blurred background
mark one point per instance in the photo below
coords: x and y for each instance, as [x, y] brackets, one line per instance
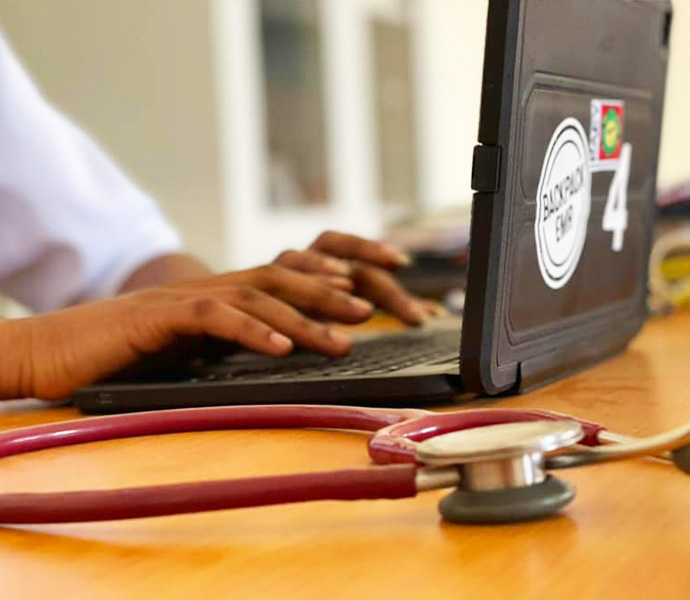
[259, 123]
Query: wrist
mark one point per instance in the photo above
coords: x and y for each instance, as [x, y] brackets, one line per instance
[164, 270]
[15, 365]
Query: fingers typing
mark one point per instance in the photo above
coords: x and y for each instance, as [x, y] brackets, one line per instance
[343, 245]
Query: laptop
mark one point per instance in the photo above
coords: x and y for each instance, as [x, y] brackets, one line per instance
[564, 176]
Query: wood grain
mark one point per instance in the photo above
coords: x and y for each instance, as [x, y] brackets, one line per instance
[627, 534]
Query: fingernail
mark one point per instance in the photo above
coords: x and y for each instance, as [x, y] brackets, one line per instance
[401, 258]
[339, 338]
[337, 267]
[442, 311]
[438, 310]
[361, 306]
[419, 314]
[280, 341]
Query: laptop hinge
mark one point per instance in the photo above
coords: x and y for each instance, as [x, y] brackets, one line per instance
[486, 168]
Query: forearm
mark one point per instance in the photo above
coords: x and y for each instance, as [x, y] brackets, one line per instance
[170, 268]
[5, 382]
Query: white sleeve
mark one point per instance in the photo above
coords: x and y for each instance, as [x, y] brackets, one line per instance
[72, 225]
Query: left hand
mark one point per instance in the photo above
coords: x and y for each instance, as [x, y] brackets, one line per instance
[369, 265]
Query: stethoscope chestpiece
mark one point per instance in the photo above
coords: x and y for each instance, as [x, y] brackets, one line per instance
[502, 476]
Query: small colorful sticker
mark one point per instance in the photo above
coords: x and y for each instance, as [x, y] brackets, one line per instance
[606, 132]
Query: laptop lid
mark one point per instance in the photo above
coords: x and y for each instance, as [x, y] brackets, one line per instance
[565, 179]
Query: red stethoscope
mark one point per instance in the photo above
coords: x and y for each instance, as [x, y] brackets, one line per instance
[496, 459]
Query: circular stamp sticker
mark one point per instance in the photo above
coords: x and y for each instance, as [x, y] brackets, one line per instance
[564, 198]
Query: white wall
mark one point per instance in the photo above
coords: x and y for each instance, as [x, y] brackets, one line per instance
[449, 40]
[674, 165]
[450, 48]
[256, 233]
[138, 76]
[154, 81]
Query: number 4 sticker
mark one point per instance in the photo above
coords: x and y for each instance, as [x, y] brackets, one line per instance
[616, 212]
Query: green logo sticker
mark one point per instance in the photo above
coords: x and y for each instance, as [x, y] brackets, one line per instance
[611, 132]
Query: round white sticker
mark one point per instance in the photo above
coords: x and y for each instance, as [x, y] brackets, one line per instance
[564, 198]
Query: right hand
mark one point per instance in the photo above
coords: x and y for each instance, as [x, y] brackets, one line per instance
[265, 309]
[370, 265]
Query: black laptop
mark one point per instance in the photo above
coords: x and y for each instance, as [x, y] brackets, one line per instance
[565, 179]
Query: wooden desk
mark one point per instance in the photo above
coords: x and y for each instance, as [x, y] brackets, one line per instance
[626, 535]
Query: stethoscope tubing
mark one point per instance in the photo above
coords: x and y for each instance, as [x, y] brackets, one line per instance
[394, 481]
[658, 446]
[397, 442]
[384, 482]
[95, 429]
[397, 431]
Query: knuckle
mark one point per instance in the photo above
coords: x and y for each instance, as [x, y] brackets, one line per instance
[253, 275]
[365, 274]
[272, 277]
[270, 273]
[325, 237]
[204, 306]
[288, 256]
[246, 294]
[248, 326]
[316, 298]
[325, 299]
[327, 294]
[358, 244]
[323, 261]
[305, 324]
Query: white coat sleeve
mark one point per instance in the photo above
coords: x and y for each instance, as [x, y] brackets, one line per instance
[72, 225]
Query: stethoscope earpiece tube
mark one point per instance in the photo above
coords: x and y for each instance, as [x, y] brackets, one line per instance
[674, 442]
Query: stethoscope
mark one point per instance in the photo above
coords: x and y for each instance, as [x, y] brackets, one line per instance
[496, 459]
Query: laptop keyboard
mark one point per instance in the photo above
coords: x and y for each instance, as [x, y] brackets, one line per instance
[374, 356]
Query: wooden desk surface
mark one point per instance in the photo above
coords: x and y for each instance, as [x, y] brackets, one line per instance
[626, 535]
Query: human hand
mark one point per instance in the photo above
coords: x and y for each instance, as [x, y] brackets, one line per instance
[368, 265]
[264, 309]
